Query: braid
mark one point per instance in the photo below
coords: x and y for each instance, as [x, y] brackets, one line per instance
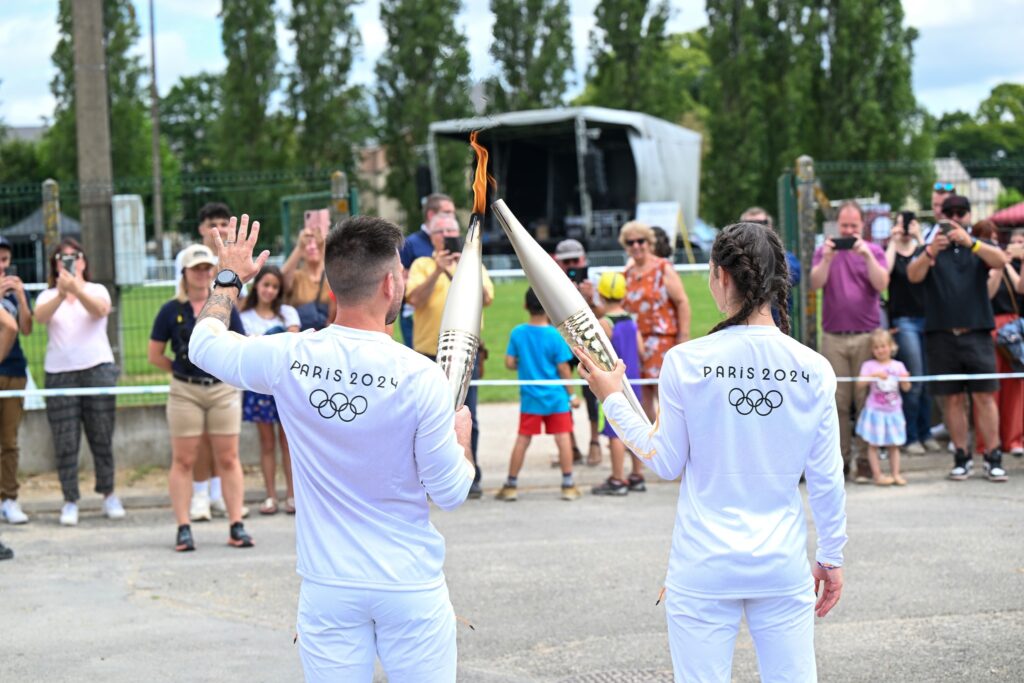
[752, 254]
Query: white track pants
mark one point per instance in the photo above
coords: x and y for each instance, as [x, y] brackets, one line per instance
[702, 633]
[343, 630]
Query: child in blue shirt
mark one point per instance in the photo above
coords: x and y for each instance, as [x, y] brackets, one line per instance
[537, 351]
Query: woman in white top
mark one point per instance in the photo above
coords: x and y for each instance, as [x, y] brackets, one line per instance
[263, 313]
[744, 412]
[78, 354]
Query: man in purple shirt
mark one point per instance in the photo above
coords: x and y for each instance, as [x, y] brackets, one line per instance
[852, 273]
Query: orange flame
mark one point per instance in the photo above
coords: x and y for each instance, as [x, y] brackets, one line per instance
[482, 178]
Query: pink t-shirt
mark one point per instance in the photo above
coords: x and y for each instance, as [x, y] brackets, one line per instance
[850, 303]
[884, 394]
[75, 339]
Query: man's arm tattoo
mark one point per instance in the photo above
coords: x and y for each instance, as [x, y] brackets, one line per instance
[218, 306]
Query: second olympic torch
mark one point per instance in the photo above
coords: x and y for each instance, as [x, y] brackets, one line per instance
[564, 305]
[459, 341]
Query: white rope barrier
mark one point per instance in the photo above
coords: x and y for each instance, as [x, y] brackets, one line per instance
[165, 388]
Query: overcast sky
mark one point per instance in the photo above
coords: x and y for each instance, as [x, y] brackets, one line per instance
[965, 48]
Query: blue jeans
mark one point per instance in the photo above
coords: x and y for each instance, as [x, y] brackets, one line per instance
[405, 324]
[917, 401]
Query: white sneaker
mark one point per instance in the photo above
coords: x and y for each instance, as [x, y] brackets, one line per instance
[199, 510]
[112, 507]
[69, 515]
[12, 512]
[220, 509]
[914, 449]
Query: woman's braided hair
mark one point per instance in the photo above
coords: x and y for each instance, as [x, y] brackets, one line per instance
[753, 255]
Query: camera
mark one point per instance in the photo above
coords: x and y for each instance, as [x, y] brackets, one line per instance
[578, 275]
[452, 245]
[67, 262]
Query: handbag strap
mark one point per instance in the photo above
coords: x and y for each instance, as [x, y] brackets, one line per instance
[1011, 292]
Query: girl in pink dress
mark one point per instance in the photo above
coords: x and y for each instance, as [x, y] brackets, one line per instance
[881, 423]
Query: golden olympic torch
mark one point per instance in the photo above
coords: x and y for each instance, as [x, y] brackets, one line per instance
[459, 340]
[562, 302]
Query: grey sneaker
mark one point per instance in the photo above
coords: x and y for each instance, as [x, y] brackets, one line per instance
[914, 449]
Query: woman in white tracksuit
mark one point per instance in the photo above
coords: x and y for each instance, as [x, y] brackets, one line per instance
[744, 412]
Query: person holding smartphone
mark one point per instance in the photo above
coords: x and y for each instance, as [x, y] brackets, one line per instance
[954, 268]
[426, 290]
[853, 273]
[13, 375]
[78, 355]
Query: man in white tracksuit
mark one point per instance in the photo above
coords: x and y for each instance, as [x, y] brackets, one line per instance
[744, 412]
[372, 433]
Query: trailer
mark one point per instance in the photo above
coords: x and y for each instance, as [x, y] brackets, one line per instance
[580, 172]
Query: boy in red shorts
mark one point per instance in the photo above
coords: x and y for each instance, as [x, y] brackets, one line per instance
[537, 351]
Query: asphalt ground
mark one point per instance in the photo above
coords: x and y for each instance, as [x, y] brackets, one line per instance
[555, 591]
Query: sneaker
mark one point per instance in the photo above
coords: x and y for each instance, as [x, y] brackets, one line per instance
[994, 466]
[611, 487]
[239, 538]
[1017, 452]
[508, 493]
[12, 512]
[636, 483]
[184, 542]
[199, 510]
[112, 507]
[962, 466]
[930, 444]
[914, 449]
[6, 553]
[475, 490]
[220, 509]
[570, 492]
[69, 514]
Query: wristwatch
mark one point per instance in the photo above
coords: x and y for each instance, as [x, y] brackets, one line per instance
[228, 278]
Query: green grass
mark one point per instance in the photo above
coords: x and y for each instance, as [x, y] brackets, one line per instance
[139, 306]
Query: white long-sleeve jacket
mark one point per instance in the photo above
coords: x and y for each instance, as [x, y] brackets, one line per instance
[370, 428]
[744, 412]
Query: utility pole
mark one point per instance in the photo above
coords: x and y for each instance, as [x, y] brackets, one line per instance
[95, 172]
[806, 212]
[154, 114]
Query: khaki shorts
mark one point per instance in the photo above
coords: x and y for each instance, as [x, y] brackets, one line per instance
[193, 409]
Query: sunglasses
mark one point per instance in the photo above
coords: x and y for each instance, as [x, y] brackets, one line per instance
[944, 187]
[956, 213]
[639, 240]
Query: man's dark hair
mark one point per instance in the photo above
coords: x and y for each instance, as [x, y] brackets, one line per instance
[433, 203]
[214, 210]
[358, 253]
[533, 304]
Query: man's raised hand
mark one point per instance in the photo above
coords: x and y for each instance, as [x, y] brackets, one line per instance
[237, 255]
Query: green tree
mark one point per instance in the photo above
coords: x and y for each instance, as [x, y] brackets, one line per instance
[189, 121]
[630, 63]
[333, 115]
[992, 142]
[533, 51]
[422, 76]
[250, 79]
[130, 147]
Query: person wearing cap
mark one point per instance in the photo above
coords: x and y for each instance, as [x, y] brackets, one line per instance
[625, 337]
[78, 354]
[954, 268]
[207, 496]
[571, 257]
[426, 290]
[13, 376]
[852, 280]
[198, 402]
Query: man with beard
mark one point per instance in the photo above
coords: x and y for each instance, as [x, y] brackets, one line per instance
[372, 433]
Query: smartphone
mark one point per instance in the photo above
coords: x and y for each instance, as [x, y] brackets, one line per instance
[453, 245]
[908, 217]
[946, 227]
[578, 275]
[318, 219]
[844, 243]
[67, 262]
[11, 271]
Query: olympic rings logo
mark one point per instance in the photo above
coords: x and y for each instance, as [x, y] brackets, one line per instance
[337, 405]
[755, 401]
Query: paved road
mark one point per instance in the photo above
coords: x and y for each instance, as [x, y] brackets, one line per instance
[556, 591]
